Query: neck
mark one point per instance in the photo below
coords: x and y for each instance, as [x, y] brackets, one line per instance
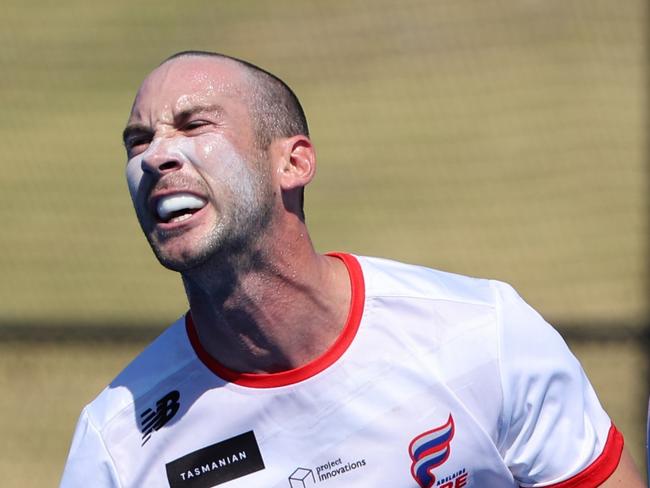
[264, 312]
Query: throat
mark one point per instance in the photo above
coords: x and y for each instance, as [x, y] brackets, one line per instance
[269, 318]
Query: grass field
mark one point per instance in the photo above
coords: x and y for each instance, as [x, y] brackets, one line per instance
[499, 138]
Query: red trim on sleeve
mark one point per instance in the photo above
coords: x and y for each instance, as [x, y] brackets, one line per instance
[602, 468]
[284, 378]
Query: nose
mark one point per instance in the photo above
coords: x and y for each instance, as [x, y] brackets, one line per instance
[161, 157]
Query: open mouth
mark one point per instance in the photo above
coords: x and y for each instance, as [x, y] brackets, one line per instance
[178, 207]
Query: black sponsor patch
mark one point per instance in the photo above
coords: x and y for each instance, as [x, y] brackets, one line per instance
[216, 464]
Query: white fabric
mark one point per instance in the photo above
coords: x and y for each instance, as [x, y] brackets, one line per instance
[429, 345]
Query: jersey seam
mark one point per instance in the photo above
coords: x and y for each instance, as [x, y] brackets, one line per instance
[505, 411]
[431, 299]
[98, 431]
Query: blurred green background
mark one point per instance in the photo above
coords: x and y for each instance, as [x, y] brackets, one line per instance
[496, 138]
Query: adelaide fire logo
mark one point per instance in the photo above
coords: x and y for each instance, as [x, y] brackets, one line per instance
[429, 450]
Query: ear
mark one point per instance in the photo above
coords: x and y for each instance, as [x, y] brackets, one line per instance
[297, 163]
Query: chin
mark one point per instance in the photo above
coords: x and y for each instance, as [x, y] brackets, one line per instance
[179, 260]
[179, 264]
[178, 250]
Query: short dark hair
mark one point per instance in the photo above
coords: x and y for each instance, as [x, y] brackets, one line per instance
[275, 108]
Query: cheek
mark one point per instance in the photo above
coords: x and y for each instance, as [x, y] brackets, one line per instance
[134, 175]
[217, 160]
[221, 155]
[208, 150]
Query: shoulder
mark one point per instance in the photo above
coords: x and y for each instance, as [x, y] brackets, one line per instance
[487, 314]
[434, 311]
[150, 371]
[384, 277]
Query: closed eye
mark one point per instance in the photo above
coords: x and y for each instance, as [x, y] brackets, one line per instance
[136, 145]
[136, 139]
[195, 124]
[198, 117]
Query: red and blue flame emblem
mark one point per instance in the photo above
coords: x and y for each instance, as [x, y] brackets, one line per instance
[429, 450]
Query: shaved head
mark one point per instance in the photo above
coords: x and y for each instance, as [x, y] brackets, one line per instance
[274, 107]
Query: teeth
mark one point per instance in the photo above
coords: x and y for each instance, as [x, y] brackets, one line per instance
[180, 218]
[175, 203]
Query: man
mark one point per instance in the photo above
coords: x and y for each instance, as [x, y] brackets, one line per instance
[293, 369]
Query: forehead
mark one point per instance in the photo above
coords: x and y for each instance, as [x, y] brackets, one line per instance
[185, 82]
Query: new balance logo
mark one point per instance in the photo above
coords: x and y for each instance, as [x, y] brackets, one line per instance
[165, 410]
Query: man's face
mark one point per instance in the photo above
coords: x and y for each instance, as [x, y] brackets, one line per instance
[198, 181]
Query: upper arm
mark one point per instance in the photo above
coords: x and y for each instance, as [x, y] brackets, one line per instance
[626, 474]
[554, 431]
[88, 463]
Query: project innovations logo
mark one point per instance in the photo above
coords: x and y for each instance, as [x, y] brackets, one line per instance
[305, 477]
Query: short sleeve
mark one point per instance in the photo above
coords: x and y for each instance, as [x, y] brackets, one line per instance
[88, 464]
[554, 431]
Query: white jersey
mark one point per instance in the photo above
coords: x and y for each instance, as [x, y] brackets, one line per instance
[437, 380]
